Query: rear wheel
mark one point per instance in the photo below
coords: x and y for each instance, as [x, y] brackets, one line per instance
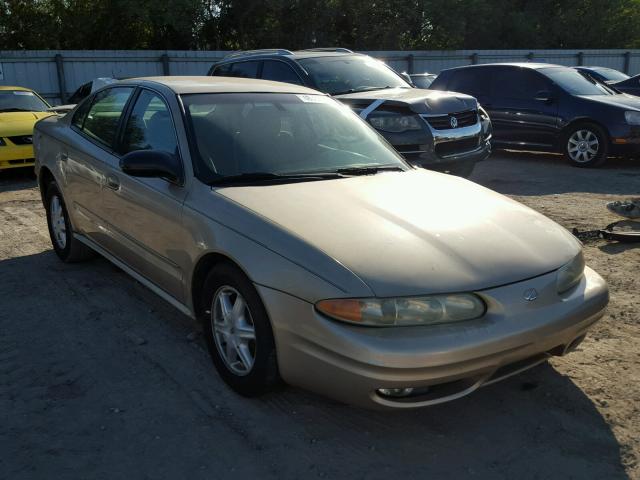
[586, 145]
[238, 332]
[66, 245]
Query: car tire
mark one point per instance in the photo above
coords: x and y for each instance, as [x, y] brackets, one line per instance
[240, 341]
[68, 248]
[586, 145]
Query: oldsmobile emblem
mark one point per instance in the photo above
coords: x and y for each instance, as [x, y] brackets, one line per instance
[454, 122]
[530, 294]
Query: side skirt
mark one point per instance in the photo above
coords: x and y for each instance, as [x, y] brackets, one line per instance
[150, 285]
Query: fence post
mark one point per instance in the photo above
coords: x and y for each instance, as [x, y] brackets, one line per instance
[474, 58]
[627, 62]
[580, 58]
[164, 58]
[530, 56]
[410, 63]
[62, 86]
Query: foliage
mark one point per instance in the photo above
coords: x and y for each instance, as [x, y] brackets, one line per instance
[357, 24]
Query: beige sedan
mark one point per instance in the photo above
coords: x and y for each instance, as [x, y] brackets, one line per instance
[309, 249]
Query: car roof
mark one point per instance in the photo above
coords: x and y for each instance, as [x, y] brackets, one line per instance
[206, 84]
[8, 87]
[531, 65]
[292, 55]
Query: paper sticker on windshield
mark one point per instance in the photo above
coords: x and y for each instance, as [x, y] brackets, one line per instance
[18, 92]
[312, 98]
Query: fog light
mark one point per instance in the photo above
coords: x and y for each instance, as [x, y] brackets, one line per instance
[395, 392]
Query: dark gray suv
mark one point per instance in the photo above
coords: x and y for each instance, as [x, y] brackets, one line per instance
[448, 132]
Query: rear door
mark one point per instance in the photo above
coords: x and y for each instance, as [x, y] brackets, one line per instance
[144, 215]
[523, 108]
[85, 157]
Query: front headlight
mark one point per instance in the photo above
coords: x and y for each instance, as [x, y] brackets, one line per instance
[390, 312]
[632, 117]
[395, 123]
[570, 274]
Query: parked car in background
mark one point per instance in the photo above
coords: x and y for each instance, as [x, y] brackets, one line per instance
[422, 80]
[630, 85]
[307, 246]
[82, 92]
[603, 74]
[538, 106]
[441, 132]
[20, 109]
[86, 89]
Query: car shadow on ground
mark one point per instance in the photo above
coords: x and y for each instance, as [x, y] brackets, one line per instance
[125, 347]
[17, 179]
[531, 174]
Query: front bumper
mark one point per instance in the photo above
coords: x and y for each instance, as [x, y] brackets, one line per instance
[452, 150]
[15, 156]
[349, 363]
[624, 140]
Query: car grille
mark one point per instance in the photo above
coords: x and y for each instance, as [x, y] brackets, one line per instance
[22, 140]
[443, 122]
[21, 161]
[454, 147]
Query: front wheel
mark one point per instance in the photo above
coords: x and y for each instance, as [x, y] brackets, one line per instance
[586, 145]
[238, 332]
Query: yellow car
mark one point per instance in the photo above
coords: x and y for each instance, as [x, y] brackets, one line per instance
[20, 109]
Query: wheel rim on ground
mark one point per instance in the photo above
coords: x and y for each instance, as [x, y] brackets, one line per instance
[583, 146]
[58, 224]
[233, 330]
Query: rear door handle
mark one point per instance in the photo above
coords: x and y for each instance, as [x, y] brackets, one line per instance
[113, 183]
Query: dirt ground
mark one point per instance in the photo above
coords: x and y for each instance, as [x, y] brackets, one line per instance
[99, 378]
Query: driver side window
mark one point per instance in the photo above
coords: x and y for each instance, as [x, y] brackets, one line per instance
[149, 126]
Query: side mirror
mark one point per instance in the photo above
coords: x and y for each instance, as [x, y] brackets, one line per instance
[544, 96]
[405, 76]
[152, 163]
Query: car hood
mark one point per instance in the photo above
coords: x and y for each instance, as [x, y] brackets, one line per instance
[417, 99]
[622, 100]
[19, 123]
[415, 232]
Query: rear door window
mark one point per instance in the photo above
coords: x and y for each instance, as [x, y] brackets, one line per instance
[279, 72]
[245, 69]
[472, 81]
[103, 117]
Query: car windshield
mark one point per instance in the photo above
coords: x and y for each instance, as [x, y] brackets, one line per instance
[280, 134]
[21, 101]
[348, 74]
[574, 82]
[611, 75]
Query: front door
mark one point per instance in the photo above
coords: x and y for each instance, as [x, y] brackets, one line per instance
[145, 214]
[524, 108]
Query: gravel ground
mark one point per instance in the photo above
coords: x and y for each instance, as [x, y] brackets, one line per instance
[101, 379]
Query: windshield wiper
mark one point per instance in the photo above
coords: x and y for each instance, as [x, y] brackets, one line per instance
[260, 177]
[14, 109]
[372, 170]
[366, 89]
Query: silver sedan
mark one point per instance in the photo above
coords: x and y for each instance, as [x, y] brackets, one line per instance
[311, 252]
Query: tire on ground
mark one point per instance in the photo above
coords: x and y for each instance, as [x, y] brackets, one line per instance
[263, 375]
[72, 250]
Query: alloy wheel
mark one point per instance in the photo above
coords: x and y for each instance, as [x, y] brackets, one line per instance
[233, 330]
[583, 146]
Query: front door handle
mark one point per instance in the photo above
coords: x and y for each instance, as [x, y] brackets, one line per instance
[113, 183]
[64, 157]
